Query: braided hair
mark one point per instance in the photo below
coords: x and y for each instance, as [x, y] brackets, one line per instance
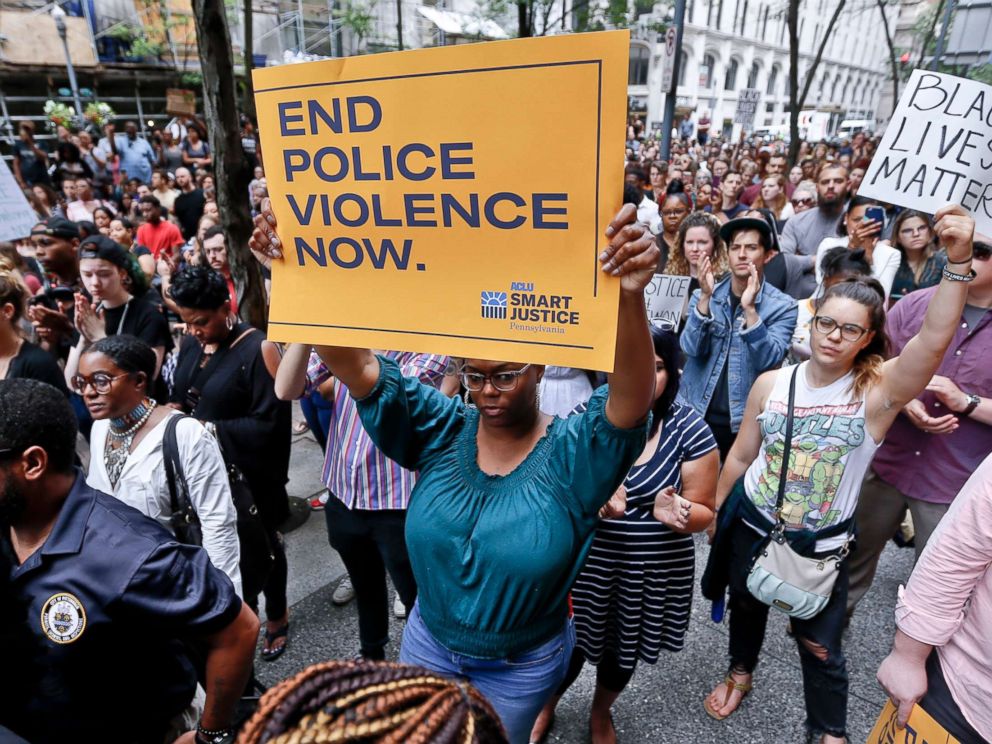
[372, 701]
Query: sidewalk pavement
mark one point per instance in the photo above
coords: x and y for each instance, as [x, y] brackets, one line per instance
[664, 702]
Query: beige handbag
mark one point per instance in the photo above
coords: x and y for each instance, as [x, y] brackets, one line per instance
[780, 577]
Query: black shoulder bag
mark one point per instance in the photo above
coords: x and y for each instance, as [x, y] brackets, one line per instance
[256, 557]
[184, 521]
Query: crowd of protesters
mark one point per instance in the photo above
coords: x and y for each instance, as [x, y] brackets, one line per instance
[826, 384]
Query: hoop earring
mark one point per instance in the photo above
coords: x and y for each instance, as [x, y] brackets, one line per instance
[230, 323]
[468, 400]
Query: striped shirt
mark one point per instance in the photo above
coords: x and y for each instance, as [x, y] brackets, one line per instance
[355, 471]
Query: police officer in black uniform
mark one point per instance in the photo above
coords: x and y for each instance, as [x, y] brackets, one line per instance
[101, 604]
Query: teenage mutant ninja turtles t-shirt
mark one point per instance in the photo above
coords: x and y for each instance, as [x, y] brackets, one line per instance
[831, 451]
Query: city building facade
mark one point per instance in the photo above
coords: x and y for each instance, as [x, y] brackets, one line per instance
[729, 45]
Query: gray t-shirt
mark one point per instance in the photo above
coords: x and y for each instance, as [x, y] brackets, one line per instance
[802, 235]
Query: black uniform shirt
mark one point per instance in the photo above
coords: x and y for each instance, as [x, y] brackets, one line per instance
[103, 607]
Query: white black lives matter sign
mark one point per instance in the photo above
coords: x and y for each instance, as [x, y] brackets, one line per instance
[937, 148]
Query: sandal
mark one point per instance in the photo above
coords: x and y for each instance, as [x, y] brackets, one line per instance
[743, 687]
[269, 653]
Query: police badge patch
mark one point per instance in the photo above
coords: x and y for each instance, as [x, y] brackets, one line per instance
[63, 618]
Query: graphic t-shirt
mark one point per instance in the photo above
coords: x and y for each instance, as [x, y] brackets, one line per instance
[831, 451]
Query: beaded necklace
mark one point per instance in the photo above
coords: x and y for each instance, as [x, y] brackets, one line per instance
[122, 431]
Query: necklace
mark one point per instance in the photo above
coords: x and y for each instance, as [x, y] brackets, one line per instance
[122, 431]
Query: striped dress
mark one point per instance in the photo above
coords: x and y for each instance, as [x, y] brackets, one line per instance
[634, 594]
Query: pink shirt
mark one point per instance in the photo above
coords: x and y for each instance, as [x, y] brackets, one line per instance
[948, 601]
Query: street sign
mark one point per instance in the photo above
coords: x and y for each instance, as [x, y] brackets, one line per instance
[668, 61]
[747, 104]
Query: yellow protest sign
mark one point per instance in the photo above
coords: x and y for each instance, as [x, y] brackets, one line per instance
[449, 200]
[920, 729]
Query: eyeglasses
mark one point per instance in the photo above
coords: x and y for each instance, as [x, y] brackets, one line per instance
[848, 331]
[502, 381]
[9, 451]
[808, 201]
[100, 381]
[982, 251]
[914, 230]
[43, 241]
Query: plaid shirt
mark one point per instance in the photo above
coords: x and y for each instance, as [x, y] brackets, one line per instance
[355, 471]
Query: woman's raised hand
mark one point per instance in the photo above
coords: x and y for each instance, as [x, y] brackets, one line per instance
[955, 229]
[264, 239]
[632, 253]
[704, 274]
[89, 322]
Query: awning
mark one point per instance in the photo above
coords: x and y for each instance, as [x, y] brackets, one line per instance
[462, 24]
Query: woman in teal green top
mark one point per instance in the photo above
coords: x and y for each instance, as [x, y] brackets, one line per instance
[504, 510]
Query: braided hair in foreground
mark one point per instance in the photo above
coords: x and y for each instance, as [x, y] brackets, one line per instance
[372, 701]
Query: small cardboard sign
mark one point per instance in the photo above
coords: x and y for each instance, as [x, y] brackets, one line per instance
[747, 105]
[665, 298]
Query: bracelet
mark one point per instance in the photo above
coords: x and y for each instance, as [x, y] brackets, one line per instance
[967, 260]
[214, 736]
[952, 277]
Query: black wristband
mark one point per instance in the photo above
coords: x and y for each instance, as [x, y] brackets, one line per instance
[967, 260]
[214, 736]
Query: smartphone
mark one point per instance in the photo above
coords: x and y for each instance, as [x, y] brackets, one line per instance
[875, 214]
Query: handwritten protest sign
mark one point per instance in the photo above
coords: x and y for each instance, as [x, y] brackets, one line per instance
[747, 104]
[937, 148]
[920, 729]
[16, 216]
[665, 298]
[449, 200]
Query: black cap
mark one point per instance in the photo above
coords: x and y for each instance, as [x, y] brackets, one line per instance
[747, 223]
[57, 227]
[100, 246]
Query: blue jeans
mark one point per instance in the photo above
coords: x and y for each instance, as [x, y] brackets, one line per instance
[518, 686]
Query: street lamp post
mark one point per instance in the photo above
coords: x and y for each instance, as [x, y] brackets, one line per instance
[668, 121]
[59, 16]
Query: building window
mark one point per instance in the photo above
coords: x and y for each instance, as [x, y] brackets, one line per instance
[730, 79]
[719, 15]
[772, 86]
[764, 25]
[752, 77]
[683, 66]
[637, 73]
[706, 72]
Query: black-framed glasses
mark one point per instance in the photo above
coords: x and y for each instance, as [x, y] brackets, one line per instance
[802, 202]
[502, 381]
[10, 451]
[982, 251]
[101, 382]
[848, 331]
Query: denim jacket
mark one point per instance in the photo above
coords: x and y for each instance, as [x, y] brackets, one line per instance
[707, 341]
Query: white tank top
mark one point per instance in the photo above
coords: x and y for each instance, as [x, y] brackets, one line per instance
[831, 451]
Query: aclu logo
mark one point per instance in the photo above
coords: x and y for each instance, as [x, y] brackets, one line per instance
[494, 305]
